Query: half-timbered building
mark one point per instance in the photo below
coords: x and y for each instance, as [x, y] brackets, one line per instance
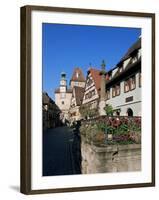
[122, 85]
[76, 101]
[123, 89]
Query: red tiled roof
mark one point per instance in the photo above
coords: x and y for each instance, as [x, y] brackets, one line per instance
[95, 73]
[80, 77]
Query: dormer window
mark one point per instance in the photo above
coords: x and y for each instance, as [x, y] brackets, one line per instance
[120, 69]
[139, 53]
[134, 56]
[134, 59]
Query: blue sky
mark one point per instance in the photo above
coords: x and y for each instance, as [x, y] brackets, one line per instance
[67, 46]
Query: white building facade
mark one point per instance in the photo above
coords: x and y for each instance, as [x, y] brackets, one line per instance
[123, 90]
[122, 85]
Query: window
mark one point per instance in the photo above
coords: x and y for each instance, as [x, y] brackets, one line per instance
[120, 69]
[132, 83]
[117, 113]
[89, 82]
[139, 53]
[109, 76]
[108, 94]
[134, 59]
[118, 89]
[46, 107]
[127, 85]
[129, 112]
[113, 91]
[76, 83]
[63, 102]
[93, 92]
[86, 96]
[140, 79]
[63, 95]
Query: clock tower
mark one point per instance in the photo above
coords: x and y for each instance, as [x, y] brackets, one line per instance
[63, 97]
[63, 83]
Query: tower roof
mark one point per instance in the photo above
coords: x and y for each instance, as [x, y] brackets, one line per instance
[78, 75]
[63, 75]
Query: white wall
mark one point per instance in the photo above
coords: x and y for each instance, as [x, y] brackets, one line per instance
[118, 101]
[9, 101]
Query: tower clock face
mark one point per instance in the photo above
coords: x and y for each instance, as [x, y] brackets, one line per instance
[62, 82]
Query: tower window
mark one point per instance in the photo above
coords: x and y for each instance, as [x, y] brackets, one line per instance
[63, 102]
[62, 95]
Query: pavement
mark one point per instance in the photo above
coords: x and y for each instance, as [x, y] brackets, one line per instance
[61, 152]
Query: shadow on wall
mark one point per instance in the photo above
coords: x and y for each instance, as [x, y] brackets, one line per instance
[15, 188]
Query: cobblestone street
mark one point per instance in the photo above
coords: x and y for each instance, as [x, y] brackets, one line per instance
[61, 152]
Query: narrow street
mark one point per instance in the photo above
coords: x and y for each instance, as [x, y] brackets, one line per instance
[61, 152]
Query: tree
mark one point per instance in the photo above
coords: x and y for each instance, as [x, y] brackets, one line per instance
[109, 110]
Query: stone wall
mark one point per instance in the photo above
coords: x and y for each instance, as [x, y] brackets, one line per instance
[110, 158]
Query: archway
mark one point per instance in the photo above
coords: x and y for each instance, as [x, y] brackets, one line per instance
[129, 112]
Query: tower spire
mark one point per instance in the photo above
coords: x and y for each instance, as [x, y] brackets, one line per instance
[103, 65]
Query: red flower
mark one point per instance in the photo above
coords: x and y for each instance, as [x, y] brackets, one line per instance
[116, 122]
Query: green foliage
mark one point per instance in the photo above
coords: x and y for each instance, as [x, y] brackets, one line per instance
[87, 112]
[109, 110]
[124, 130]
[101, 126]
